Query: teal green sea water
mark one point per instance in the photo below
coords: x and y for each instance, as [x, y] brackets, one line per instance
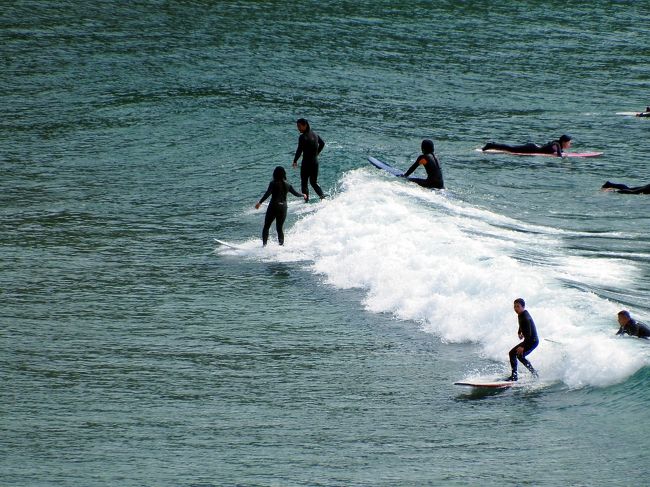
[136, 351]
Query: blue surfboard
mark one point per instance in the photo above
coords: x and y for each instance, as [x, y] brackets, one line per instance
[386, 167]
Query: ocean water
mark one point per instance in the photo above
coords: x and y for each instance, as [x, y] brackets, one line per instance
[136, 351]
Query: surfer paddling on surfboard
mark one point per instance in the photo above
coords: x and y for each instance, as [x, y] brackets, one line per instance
[277, 209]
[625, 189]
[644, 114]
[555, 147]
[431, 165]
[528, 333]
[630, 326]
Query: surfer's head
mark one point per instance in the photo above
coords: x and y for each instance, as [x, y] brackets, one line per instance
[279, 174]
[519, 305]
[623, 317]
[303, 125]
[427, 146]
[565, 141]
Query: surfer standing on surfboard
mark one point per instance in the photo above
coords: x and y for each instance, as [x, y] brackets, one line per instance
[554, 147]
[431, 165]
[309, 146]
[277, 209]
[528, 333]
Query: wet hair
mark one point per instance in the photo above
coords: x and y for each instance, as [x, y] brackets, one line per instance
[565, 138]
[279, 174]
[625, 313]
[521, 302]
[303, 121]
[427, 146]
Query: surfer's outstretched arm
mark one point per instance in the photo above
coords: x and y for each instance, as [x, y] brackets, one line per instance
[266, 195]
[296, 193]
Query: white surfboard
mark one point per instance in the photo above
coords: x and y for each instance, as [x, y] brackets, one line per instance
[227, 244]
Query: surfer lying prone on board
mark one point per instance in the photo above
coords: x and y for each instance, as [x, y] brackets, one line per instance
[554, 147]
[277, 210]
[644, 114]
[625, 189]
[630, 326]
[431, 165]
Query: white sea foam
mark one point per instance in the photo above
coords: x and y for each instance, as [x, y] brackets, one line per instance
[455, 269]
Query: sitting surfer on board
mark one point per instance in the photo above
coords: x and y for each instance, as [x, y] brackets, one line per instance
[625, 189]
[554, 147]
[277, 209]
[644, 114]
[528, 333]
[631, 327]
[431, 165]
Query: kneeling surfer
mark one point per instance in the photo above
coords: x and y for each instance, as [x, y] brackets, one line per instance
[528, 332]
[277, 209]
[431, 165]
[554, 147]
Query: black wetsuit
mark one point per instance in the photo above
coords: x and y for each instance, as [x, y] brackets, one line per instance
[643, 114]
[277, 209]
[434, 173]
[553, 147]
[309, 145]
[624, 189]
[634, 328]
[529, 332]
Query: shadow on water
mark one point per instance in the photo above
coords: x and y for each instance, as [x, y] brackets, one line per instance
[526, 391]
[279, 270]
[474, 394]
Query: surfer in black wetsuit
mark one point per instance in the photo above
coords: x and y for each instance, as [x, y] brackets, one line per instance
[554, 147]
[644, 114]
[632, 327]
[309, 146]
[277, 210]
[625, 189]
[528, 333]
[431, 165]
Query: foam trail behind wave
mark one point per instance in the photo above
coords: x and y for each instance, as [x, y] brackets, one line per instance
[456, 269]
